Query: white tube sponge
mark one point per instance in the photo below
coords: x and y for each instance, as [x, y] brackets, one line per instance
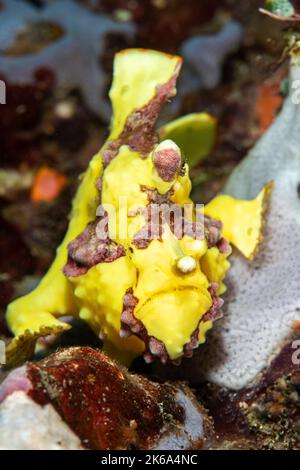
[263, 298]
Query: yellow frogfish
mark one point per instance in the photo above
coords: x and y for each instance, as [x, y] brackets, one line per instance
[144, 293]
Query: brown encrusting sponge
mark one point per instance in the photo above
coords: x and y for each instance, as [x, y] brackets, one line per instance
[108, 408]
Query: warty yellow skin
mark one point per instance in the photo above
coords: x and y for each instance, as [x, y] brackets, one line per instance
[170, 303]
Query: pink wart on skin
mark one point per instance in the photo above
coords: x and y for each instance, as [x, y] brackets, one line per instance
[213, 231]
[214, 313]
[130, 325]
[189, 347]
[158, 215]
[224, 246]
[150, 232]
[167, 161]
[164, 210]
[88, 249]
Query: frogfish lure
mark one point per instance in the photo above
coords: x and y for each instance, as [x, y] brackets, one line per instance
[155, 296]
